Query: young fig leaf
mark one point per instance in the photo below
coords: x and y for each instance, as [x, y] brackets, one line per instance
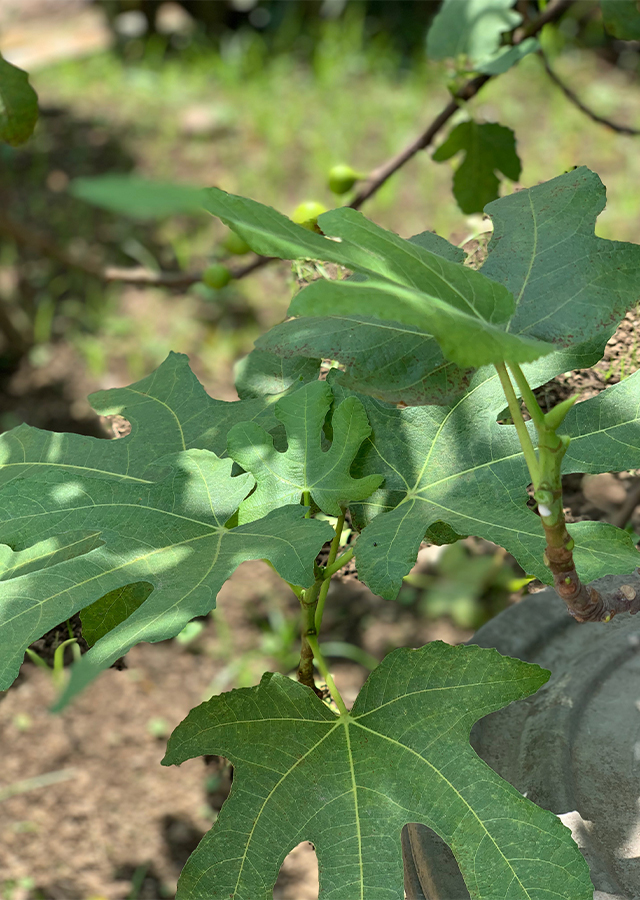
[487, 147]
[304, 468]
[470, 27]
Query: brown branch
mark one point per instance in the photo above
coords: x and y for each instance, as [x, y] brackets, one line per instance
[174, 280]
[305, 673]
[378, 176]
[551, 14]
[149, 278]
[573, 98]
[584, 602]
[43, 244]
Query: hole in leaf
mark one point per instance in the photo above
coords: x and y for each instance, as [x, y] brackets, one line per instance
[430, 868]
[298, 878]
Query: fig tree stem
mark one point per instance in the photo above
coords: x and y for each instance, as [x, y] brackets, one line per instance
[537, 416]
[326, 674]
[324, 590]
[521, 428]
[309, 603]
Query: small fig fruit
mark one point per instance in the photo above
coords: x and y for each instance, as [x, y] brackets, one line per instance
[342, 178]
[306, 214]
[216, 276]
[235, 245]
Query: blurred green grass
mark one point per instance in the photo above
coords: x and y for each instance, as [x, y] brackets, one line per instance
[272, 129]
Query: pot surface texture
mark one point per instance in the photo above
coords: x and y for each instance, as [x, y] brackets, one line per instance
[573, 748]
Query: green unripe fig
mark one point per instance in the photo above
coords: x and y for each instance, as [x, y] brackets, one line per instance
[216, 276]
[341, 179]
[235, 245]
[306, 214]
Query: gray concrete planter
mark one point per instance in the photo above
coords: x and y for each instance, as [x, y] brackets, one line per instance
[573, 748]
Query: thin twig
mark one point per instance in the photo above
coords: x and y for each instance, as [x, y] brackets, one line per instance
[174, 280]
[42, 243]
[148, 278]
[573, 98]
[377, 178]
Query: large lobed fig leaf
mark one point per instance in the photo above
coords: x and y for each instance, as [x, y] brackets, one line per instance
[83, 518]
[350, 783]
[456, 465]
[418, 280]
[569, 288]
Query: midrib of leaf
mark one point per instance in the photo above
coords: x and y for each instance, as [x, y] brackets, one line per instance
[399, 526]
[206, 487]
[468, 517]
[354, 787]
[162, 403]
[574, 261]
[467, 395]
[531, 261]
[33, 559]
[454, 789]
[72, 466]
[416, 491]
[373, 446]
[152, 509]
[284, 776]
[463, 686]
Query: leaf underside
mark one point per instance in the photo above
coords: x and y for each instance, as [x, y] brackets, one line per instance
[420, 280]
[567, 288]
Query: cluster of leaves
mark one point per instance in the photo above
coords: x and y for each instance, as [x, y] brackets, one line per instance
[139, 534]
